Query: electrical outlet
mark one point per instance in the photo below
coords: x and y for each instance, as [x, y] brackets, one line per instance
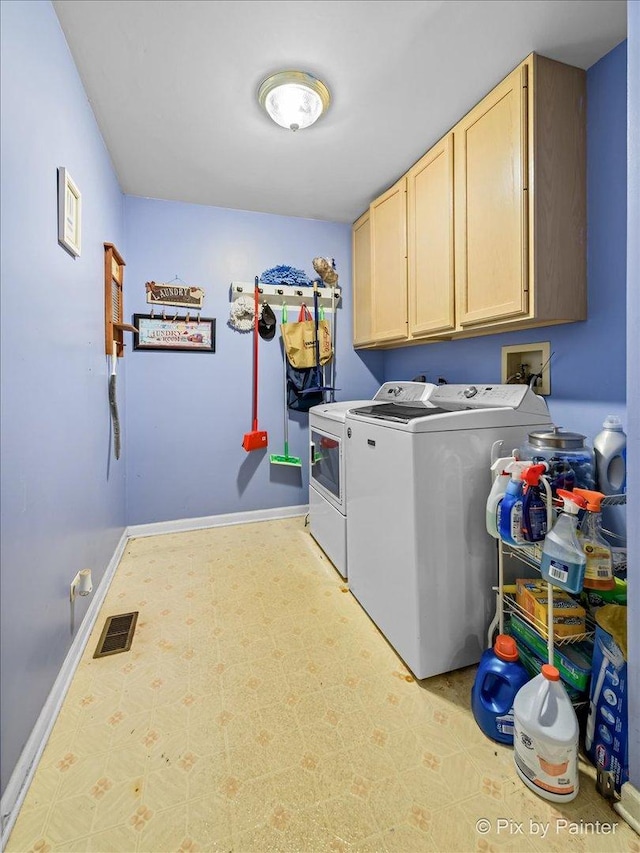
[522, 361]
[82, 584]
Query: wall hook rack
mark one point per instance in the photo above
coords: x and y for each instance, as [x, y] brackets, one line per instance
[291, 295]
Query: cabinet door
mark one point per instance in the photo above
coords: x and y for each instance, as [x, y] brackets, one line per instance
[361, 246]
[430, 241]
[389, 264]
[491, 205]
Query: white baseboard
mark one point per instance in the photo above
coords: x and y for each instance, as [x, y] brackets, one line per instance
[24, 770]
[629, 806]
[22, 775]
[182, 525]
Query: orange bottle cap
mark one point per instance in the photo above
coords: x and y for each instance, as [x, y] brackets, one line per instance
[532, 475]
[593, 499]
[572, 496]
[505, 648]
[550, 672]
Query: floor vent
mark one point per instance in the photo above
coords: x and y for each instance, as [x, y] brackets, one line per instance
[117, 634]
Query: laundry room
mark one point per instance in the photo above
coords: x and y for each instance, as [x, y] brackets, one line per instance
[317, 589]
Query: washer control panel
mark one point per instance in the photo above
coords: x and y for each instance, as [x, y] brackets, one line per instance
[479, 396]
[405, 392]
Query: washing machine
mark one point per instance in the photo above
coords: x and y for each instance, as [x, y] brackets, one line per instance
[421, 562]
[327, 465]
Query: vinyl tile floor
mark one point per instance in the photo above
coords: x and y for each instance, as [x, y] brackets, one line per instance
[259, 709]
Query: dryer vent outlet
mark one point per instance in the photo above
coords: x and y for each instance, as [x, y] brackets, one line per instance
[521, 362]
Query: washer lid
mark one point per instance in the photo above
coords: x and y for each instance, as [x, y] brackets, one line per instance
[335, 411]
[398, 412]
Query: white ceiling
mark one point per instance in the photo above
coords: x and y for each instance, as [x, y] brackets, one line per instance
[173, 86]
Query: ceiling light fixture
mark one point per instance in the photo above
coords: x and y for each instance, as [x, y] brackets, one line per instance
[294, 99]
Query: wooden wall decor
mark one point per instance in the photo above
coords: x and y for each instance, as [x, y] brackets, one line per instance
[114, 325]
[174, 292]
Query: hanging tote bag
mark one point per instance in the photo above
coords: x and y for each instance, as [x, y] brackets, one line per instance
[302, 389]
[300, 340]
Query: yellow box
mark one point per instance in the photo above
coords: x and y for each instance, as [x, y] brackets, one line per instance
[568, 615]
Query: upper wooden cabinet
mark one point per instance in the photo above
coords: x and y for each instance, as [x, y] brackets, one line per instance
[491, 210]
[520, 202]
[388, 215]
[495, 218]
[430, 241]
[361, 281]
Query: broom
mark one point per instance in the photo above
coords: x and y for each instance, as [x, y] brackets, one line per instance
[256, 439]
[285, 459]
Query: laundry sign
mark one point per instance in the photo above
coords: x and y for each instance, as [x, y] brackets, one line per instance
[180, 333]
[182, 295]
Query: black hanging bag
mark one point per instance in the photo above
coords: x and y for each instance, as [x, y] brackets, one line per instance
[302, 388]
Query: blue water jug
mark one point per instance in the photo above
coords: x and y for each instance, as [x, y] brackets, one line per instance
[500, 675]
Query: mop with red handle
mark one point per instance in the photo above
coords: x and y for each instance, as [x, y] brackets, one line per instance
[256, 439]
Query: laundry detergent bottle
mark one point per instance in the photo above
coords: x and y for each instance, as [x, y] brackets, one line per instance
[610, 447]
[534, 509]
[499, 677]
[598, 572]
[498, 489]
[545, 739]
[510, 508]
[563, 560]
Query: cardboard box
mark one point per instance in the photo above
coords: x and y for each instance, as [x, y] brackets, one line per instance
[608, 722]
[568, 615]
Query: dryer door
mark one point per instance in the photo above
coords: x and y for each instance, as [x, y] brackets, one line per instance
[326, 466]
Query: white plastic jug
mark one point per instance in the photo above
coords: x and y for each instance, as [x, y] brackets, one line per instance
[546, 737]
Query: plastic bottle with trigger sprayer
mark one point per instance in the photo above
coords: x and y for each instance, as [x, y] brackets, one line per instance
[563, 560]
[510, 508]
[534, 509]
[598, 573]
[497, 492]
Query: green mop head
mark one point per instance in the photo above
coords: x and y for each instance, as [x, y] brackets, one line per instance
[285, 459]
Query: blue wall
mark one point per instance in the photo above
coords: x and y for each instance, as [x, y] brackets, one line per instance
[187, 413]
[62, 502]
[588, 370]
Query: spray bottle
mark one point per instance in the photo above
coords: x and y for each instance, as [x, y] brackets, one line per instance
[563, 560]
[534, 509]
[496, 494]
[599, 571]
[510, 508]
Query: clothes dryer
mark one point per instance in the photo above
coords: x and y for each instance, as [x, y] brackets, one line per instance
[421, 562]
[327, 465]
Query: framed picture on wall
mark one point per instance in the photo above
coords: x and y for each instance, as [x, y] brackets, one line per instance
[69, 213]
[177, 334]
